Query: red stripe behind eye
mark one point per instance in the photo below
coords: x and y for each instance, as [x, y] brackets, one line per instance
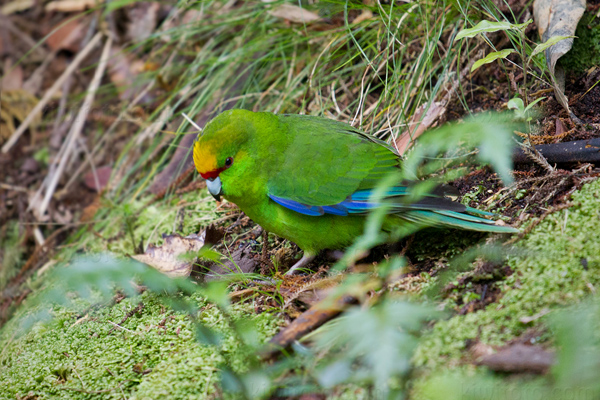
[213, 174]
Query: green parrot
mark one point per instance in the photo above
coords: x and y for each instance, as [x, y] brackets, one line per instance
[309, 179]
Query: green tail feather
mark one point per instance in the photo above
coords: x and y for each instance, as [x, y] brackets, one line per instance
[479, 212]
[458, 220]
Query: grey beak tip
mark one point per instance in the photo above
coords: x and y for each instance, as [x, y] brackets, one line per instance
[214, 188]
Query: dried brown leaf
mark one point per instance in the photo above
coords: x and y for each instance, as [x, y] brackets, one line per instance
[165, 258]
[68, 35]
[558, 18]
[143, 18]
[294, 13]
[242, 261]
[432, 114]
[13, 80]
[16, 6]
[71, 5]
[364, 16]
[560, 127]
[98, 179]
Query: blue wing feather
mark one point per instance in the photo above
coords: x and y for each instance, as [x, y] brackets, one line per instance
[298, 207]
[358, 203]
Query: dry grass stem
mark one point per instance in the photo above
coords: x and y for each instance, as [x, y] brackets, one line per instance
[50, 92]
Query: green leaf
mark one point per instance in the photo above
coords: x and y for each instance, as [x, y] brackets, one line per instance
[489, 26]
[491, 133]
[483, 27]
[516, 104]
[533, 103]
[550, 42]
[492, 57]
[372, 345]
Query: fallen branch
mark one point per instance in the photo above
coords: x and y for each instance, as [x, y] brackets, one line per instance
[567, 152]
[76, 128]
[310, 320]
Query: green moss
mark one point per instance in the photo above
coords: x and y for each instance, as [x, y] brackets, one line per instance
[153, 355]
[586, 47]
[561, 268]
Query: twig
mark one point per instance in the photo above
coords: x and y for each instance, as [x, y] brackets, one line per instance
[129, 314]
[108, 133]
[77, 125]
[535, 155]
[62, 104]
[48, 95]
[120, 327]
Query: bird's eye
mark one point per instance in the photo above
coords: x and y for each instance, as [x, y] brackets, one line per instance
[229, 161]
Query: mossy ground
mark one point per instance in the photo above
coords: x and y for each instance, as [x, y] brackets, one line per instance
[560, 267]
[156, 354]
[586, 49]
[81, 354]
[153, 355]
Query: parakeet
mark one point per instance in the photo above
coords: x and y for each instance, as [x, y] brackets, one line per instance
[309, 179]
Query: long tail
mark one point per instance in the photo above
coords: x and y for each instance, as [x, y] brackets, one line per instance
[455, 219]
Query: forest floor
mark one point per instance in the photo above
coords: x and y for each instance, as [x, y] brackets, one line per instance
[112, 198]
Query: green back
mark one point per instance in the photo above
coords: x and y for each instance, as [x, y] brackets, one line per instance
[326, 161]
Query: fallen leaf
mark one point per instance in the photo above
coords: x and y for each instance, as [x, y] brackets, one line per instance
[13, 80]
[143, 18]
[407, 138]
[98, 179]
[90, 211]
[294, 14]
[68, 35]
[519, 358]
[71, 5]
[558, 18]
[242, 262]
[165, 258]
[16, 6]
[365, 15]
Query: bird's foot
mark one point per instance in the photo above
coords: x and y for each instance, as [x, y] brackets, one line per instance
[306, 258]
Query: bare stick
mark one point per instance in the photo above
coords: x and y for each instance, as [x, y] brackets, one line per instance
[48, 95]
[77, 125]
[191, 122]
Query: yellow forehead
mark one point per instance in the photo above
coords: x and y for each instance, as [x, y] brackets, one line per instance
[204, 157]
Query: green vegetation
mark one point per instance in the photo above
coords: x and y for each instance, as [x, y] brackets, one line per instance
[561, 267]
[153, 353]
[376, 65]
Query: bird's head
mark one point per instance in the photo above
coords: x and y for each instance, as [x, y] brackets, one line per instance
[220, 152]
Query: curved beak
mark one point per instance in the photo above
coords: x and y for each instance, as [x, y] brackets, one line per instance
[214, 187]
